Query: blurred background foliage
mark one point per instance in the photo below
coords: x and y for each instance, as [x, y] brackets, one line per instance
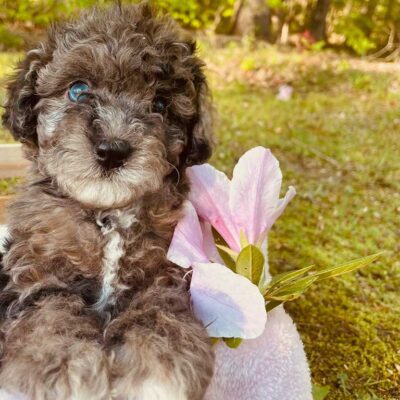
[363, 27]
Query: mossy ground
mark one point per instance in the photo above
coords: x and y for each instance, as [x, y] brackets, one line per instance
[337, 140]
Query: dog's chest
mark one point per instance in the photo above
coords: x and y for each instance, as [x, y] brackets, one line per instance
[112, 226]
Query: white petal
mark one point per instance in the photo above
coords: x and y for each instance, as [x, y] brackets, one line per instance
[228, 304]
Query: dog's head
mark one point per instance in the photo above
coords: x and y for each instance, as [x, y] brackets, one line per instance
[111, 105]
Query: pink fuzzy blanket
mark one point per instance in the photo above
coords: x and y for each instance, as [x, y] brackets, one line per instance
[270, 367]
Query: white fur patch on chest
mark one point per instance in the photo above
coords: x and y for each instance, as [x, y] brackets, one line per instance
[4, 237]
[112, 253]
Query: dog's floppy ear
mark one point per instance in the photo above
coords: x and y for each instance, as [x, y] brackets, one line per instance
[200, 144]
[20, 116]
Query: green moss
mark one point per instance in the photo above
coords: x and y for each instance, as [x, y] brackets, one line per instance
[337, 141]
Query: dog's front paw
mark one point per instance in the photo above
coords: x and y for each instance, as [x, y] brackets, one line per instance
[150, 368]
[76, 372]
[139, 374]
[160, 385]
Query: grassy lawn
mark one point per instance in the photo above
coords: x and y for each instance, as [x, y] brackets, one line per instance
[337, 140]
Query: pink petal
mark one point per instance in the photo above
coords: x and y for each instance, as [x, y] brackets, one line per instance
[208, 243]
[210, 196]
[228, 304]
[282, 203]
[186, 246]
[254, 192]
[285, 92]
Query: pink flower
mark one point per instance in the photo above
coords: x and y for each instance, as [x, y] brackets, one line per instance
[249, 203]
[285, 92]
[228, 304]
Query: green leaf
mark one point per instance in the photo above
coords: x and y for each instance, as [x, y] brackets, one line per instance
[272, 304]
[353, 265]
[288, 286]
[320, 392]
[263, 284]
[287, 276]
[228, 256]
[218, 239]
[291, 290]
[275, 3]
[231, 253]
[233, 343]
[250, 263]
[243, 240]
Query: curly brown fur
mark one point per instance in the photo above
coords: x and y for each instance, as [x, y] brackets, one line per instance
[91, 308]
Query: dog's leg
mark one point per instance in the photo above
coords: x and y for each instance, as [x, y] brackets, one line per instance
[158, 351]
[51, 352]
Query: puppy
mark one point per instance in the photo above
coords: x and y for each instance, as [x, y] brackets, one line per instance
[110, 110]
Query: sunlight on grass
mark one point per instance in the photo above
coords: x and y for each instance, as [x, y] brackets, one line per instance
[337, 140]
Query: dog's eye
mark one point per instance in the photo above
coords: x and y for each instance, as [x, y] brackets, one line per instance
[159, 105]
[76, 92]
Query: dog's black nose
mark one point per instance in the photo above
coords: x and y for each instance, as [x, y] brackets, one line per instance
[112, 154]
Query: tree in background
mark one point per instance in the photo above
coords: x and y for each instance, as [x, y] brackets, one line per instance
[360, 26]
[252, 18]
[368, 26]
[319, 19]
[23, 21]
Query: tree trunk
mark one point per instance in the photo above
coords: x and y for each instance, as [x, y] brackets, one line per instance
[389, 10]
[225, 25]
[371, 8]
[318, 19]
[252, 17]
[372, 4]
